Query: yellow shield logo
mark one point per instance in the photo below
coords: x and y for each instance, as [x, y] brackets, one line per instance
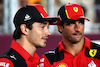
[93, 52]
[75, 9]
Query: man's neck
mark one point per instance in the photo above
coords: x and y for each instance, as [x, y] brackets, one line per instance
[74, 48]
[27, 46]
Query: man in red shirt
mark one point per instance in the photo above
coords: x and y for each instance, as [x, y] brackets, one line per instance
[31, 23]
[75, 50]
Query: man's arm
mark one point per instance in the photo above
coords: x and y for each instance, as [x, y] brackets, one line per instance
[4, 62]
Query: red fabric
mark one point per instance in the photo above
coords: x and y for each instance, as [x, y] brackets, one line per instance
[74, 11]
[30, 61]
[80, 60]
[41, 9]
[4, 62]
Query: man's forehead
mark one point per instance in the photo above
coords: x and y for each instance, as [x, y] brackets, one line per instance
[81, 19]
[43, 22]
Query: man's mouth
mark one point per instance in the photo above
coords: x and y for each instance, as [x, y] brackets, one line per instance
[77, 34]
[45, 38]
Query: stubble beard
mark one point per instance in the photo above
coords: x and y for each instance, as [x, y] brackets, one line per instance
[74, 40]
[39, 46]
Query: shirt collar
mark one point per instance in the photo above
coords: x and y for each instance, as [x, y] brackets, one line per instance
[17, 47]
[86, 44]
[61, 47]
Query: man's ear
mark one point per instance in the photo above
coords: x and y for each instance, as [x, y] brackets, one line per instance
[24, 29]
[60, 28]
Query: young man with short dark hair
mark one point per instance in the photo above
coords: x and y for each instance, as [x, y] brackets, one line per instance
[31, 23]
[75, 50]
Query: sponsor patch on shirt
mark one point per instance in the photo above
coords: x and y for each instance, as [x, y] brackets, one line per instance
[42, 59]
[62, 65]
[92, 64]
[4, 64]
[41, 65]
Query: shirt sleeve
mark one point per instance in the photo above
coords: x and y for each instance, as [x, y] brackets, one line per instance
[44, 62]
[4, 62]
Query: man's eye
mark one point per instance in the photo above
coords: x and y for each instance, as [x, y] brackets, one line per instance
[71, 23]
[42, 26]
[81, 22]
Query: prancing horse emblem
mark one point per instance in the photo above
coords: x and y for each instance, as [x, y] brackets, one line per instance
[92, 52]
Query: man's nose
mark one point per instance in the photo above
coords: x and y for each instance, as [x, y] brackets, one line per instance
[77, 27]
[48, 32]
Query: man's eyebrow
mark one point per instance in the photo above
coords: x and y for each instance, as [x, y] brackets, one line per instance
[44, 23]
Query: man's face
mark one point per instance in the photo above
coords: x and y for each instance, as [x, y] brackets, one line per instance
[39, 34]
[73, 31]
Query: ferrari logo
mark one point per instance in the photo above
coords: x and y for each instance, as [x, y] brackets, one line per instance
[93, 52]
[75, 9]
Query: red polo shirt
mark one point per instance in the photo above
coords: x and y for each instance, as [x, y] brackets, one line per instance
[80, 60]
[31, 61]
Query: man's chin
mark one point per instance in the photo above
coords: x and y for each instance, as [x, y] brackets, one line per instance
[77, 40]
[41, 46]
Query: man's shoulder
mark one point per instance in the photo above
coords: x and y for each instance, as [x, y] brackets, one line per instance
[5, 59]
[7, 53]
[94, 51]
[4, 62]
[54, 55]
[95, 45]
[14, 57]
[52, 52]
